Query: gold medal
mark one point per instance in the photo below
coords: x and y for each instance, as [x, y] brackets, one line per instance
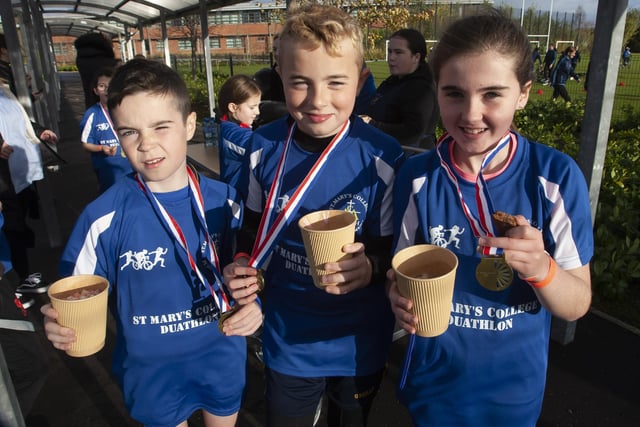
[260, 279]
[224, 316]
[494, 274]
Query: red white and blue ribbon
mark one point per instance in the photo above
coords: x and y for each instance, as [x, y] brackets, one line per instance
[272, 225]
[197, 202]
[483, 225]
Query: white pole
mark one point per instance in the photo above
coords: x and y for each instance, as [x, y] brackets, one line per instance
[522, 15]
[549, 28]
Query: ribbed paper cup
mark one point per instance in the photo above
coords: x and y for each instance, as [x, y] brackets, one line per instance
[324, 233]
[426, 274]
[86, 316]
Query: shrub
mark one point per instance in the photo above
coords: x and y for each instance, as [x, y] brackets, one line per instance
[615, 266]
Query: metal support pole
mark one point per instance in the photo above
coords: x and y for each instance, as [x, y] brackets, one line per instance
[10, 413]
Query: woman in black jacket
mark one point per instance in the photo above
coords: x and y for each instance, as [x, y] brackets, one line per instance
[405, 104]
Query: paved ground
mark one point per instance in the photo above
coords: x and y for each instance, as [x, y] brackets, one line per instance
[593, 381]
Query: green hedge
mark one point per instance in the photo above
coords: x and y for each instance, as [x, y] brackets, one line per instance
[615, 267]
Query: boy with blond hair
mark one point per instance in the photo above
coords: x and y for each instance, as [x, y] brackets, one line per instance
[333, 340]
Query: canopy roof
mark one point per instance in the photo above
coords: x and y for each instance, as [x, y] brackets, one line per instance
[77, 17]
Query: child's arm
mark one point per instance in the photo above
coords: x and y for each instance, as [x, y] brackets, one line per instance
[564, 293]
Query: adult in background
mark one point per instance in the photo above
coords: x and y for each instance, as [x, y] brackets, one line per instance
[93, 52]
[549, 60]
[405, 104]
[561, 73]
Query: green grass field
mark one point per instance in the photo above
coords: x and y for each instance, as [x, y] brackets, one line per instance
[627, 86]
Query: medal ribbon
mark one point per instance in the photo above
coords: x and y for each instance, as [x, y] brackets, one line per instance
[217, 291]
[270, 228]
[482, 226]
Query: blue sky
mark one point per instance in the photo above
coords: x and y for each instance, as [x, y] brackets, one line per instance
[590, 6]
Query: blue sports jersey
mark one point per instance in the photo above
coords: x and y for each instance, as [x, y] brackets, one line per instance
[489, 367]
[167, 328]
[233, 142]
[96, 129]
[307, 332]
[5, 251]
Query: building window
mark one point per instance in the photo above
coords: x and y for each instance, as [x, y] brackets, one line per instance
[60, 48]
[234, 42]
[251, 17]
[221, 18]
[184, 44]
[214, 42]
[160, 45]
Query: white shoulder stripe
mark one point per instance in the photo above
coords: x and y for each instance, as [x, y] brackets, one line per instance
[87, 259]
[233, 147]
[387, 174]
[87, 128]
[566, 253]
[410, 219]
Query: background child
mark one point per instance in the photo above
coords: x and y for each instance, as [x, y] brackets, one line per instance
[238, 102]
[332, 340]
[100, 139]
[489, 367]
[156, 238]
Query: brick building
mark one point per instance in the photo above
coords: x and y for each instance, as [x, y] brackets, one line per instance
[244, 29]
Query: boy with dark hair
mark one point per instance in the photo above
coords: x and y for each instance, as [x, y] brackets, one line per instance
[99, 137]
[156, 236]
[320, 156]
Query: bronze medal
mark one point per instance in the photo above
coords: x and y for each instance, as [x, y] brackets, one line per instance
[260, 280]
[224, 316]
[494, 274]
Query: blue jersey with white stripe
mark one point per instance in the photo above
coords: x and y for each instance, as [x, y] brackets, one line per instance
[233, 143]
[163, 314]
[307, 332]
[489, 367]
[96, 129]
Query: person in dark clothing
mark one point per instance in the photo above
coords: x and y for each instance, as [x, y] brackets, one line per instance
[272, 105]
[93, 52]
[561, 73]
[549, 60]
[405, 104]
[576, 59]
[535, 57]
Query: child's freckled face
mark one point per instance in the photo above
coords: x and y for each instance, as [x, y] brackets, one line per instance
[320, 89]
[154, 136]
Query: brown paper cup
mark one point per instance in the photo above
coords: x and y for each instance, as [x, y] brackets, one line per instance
[324, 233]
[426, 274]
[87, 316]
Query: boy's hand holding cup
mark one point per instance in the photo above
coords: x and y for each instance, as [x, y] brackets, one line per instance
[324, 234]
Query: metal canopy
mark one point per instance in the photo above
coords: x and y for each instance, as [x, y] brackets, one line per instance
[77, 17]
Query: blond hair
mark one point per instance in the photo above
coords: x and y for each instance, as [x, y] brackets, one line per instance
[314, 25]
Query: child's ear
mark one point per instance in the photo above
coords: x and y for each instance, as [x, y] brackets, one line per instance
[232, 107]
[524, 95]
[191, 125]
[364, 75]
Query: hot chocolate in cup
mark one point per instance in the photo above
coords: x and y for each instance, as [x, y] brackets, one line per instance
[426, 275]
[324, 233]
[81, 303]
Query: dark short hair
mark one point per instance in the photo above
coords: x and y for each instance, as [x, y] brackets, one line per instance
[102, 72]
[143, 75]
[415, 41]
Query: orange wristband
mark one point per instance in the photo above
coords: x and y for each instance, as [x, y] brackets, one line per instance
[241, 255]
[553, 269]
